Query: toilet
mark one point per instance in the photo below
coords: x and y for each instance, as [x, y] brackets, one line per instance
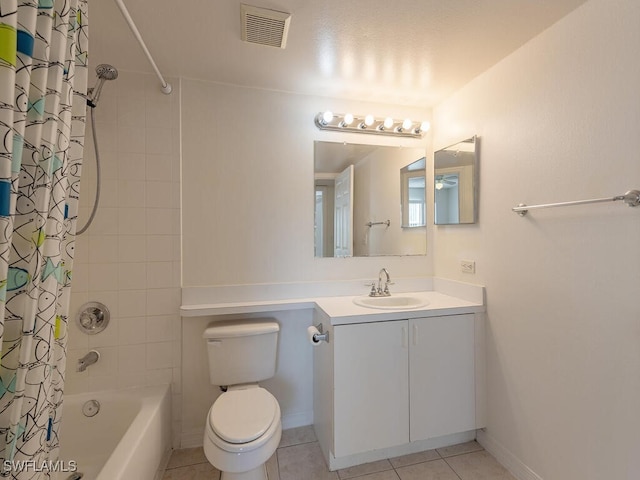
[243, 426]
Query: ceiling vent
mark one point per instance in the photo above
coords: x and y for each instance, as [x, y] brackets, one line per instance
[263, 26]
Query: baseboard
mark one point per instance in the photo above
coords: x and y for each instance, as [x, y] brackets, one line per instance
[508, 460]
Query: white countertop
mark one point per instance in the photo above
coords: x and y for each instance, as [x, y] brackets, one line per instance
[447, 298]
[342, 310]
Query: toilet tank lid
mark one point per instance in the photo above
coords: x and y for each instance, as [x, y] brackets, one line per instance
[240, 328]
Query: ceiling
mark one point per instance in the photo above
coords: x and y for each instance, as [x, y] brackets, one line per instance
[410, 52]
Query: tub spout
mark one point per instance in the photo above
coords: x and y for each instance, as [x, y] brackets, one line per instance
[89, 359]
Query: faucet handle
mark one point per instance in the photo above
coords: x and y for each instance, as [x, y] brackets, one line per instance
[373, 291]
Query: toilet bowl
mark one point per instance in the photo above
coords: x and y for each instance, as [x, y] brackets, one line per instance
[242, 432]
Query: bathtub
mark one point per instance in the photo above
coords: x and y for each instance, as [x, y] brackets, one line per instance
[129, 437]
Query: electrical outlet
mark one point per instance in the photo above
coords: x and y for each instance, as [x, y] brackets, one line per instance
[468, 266]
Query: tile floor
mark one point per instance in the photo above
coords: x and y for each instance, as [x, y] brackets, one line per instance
[299, 458]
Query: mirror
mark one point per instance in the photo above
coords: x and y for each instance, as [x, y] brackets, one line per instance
[367, 200]
[455, 183]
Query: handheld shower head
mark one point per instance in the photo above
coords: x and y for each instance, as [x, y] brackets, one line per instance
[104, 72]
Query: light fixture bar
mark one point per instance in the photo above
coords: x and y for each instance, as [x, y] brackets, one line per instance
[347, 122]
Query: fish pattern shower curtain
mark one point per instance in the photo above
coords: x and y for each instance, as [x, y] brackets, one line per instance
[43, 72]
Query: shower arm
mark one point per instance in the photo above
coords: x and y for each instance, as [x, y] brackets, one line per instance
[166, 86]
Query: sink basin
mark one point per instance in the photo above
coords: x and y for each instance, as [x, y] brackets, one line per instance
[394, 302]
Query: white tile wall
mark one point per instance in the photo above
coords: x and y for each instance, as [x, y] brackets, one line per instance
[129, 258]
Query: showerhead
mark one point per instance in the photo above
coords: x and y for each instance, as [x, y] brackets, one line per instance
[104, 72]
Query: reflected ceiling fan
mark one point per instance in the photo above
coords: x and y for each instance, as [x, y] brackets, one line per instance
[446, 181]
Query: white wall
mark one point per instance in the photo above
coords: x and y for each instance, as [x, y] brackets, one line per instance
[129, 258]
[248, 170]
[557, 121]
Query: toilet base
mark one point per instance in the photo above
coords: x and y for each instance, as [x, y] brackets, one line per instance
[259, 473]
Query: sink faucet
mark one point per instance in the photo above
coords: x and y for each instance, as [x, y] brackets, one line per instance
[89, 359]
[383, 292]
[380, 291]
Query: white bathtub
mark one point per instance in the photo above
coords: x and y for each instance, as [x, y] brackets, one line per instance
[129, 438]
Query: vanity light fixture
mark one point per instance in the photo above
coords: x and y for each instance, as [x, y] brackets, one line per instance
[369, 124]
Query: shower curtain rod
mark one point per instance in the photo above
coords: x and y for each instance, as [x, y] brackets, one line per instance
[166, 86]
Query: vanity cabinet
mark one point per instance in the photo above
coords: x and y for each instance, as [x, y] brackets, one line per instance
[371, 385]
[441, 376]
[402, 381]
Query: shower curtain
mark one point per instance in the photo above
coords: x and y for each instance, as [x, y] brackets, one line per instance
[43, 72]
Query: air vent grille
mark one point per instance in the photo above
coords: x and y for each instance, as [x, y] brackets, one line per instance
[264, 27]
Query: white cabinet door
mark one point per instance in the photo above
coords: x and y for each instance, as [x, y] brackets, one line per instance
[371, 386]
[442, 372]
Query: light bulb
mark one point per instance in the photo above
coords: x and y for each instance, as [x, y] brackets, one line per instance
[348, 119]
[406, 125]
[425, 126]
[327, 117]
[368, 120]
[439, 185]
[388, 122]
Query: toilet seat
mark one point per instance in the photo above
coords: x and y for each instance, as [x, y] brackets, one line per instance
[243, 415]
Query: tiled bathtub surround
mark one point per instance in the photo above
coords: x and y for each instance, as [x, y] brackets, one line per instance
[129, 258]
[298, 457]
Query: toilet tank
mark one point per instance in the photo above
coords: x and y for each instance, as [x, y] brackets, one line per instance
[241, 351]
